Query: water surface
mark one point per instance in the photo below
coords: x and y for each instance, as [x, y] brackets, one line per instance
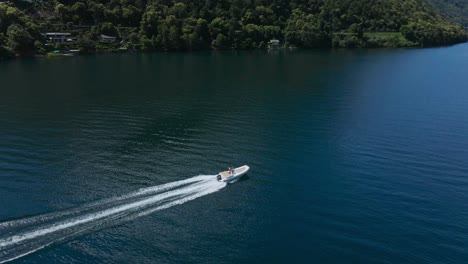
[356, 156]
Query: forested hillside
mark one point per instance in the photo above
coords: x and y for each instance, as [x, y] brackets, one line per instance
[455, 10]
[223, 24]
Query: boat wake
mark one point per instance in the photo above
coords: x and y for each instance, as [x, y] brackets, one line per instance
[23, 236]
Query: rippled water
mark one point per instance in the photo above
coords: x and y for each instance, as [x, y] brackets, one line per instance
[355, 156]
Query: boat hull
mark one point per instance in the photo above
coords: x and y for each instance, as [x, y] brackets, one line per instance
[225, 176]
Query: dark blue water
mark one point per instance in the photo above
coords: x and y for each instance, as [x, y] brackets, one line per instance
[356, 157]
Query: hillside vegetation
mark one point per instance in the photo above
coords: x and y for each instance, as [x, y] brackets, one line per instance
[454, 10]
[223, 24]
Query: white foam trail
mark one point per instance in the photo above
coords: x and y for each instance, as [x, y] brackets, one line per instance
[34, 233]
[70, 211]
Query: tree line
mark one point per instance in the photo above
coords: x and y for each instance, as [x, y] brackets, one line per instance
[226, 24]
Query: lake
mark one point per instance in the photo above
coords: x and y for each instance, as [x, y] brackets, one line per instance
[356, 156]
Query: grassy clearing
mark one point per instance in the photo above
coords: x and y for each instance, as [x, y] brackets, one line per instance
[385, 35]
[388, 39]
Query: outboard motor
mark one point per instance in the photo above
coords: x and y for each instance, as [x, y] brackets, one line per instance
[218, 177]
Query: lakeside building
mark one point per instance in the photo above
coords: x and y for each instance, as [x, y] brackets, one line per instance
[58, 37]
[273, 44]
[108, 39]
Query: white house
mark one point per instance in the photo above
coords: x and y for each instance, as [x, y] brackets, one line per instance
[274, 43]
[58, 37]
[108, 39]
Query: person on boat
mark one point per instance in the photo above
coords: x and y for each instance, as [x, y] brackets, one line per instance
[231, 170]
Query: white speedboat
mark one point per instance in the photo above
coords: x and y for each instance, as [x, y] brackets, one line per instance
[233, 175]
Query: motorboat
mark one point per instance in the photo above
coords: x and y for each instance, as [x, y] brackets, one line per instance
[232, 175]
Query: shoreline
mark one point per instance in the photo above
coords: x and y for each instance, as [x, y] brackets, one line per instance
[51, 55]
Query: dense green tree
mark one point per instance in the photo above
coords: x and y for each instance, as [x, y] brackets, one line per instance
[150, 22]
[304, 30]
[427, 34]
[455, 10]
[19, 40]
[86, 43]
[5, 52]
[61, 11]
[221, 42]
[108, 28]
